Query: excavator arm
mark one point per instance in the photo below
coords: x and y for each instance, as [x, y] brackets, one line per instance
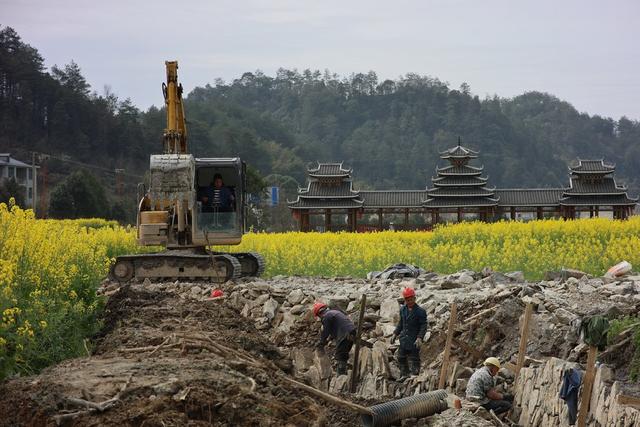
[175, 134]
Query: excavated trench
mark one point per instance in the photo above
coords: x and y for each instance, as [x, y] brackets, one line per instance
[166, 355]
[167, 360]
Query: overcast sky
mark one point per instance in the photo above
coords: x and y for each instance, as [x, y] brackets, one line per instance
[585, 52]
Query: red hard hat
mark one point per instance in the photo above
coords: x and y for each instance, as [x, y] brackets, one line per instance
[408, 292]
[317, 307]
[216, 293]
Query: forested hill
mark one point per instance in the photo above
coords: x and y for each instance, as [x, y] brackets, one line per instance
[390, 131]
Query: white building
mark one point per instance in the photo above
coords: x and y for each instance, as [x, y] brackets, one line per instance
[21, 172]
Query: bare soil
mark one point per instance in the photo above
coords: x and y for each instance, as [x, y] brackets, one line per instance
[214, 368]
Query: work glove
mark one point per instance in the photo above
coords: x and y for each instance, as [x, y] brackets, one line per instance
[393, 338]
[508, 397]
[418, 342]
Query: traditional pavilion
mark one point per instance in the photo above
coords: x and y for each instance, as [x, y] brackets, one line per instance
[459, 187]
[458, 191]
[329, 192]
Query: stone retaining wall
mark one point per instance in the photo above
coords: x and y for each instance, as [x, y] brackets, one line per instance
[537, 394]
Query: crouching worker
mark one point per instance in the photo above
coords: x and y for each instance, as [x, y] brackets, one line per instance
[481, 388]
[411, 329]
[337, 326]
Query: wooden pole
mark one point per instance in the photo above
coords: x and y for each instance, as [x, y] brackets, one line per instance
[354, 220]
[587, 386]
[329, 398]
[34, 185]
[356, 354]
[447, 347]
[524, 336]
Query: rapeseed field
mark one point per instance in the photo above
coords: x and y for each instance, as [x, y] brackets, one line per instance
[591, 245]
[50, 269]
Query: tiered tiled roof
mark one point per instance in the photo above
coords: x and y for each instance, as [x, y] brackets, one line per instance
[459, 170]
[329, 187]
[459, 185]
[592, 167]
[591, 183]
[459, 152]
[321, 190]
[324, 170]
[457, 181]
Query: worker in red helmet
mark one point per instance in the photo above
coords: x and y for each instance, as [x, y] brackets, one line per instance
[411, 329]
[339, 327]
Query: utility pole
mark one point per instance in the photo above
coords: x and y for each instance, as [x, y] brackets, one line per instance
[34, 184]
[43, 194]
[119, 182]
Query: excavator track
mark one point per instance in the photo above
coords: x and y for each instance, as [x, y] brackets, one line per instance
[252, 263]
[176, 265]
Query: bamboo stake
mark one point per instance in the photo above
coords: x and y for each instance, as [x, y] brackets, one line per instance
[447, 348]
[585, 397]
[524, 336]
[356, 354]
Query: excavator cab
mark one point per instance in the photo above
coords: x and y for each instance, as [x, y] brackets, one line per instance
[219, 216]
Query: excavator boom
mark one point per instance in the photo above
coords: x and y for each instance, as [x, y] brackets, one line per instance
[175, 134]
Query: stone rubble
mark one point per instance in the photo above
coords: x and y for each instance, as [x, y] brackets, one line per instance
[494, 301]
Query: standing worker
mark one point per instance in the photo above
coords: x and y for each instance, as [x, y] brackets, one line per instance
[338, 326]
[481, 388]
[411, 329]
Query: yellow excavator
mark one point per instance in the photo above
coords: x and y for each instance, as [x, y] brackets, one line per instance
[192, 203]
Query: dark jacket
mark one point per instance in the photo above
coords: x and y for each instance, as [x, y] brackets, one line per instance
[225, 200]
[337, 325]
[571, 380]
[412, 325]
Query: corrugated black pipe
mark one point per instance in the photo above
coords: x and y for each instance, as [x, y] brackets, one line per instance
[418, 406]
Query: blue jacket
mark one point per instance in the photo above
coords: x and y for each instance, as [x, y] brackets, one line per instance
[337, 325]
[226, 199]
[412, 325]
[571, 380]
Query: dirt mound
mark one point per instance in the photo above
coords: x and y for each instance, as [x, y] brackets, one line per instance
[163, 360]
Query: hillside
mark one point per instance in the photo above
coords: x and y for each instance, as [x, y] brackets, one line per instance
[389, 131]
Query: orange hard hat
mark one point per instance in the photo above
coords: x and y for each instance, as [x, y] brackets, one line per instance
[216, 293]
[408, 292]
[317, 307]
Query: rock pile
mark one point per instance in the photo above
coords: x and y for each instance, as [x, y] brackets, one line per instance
[490, 307]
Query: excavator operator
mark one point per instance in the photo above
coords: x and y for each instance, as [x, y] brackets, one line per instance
[217, 197]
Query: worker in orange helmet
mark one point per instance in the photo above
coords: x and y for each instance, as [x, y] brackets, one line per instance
[338, 326]
[411, 329]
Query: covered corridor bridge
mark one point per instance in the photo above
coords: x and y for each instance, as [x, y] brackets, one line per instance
[459, 191]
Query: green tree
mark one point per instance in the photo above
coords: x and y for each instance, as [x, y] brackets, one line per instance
[71, 77]
[10, 188]
[80, 195]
